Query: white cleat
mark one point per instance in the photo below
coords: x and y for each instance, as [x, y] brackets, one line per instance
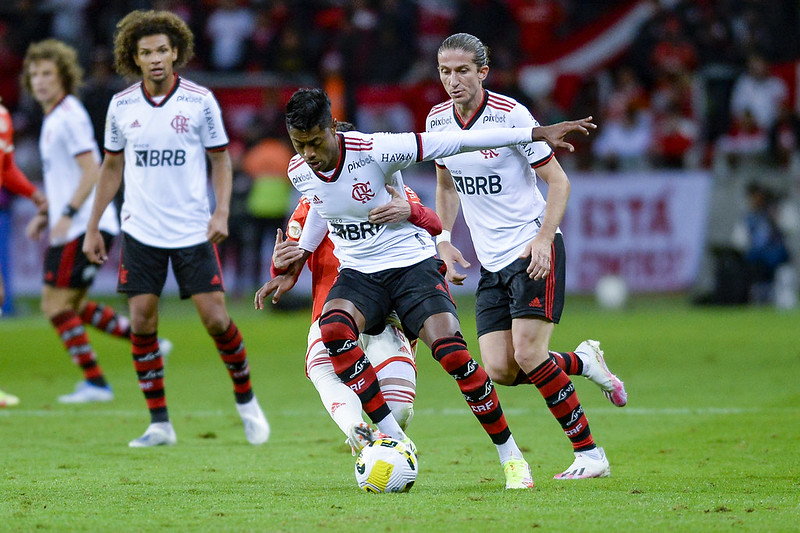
[156, 434]
[359, 436]
[256, 427]
[164, 346]
[596, 370]
[85, 392]
[518, 474]
[584, 467]
[8, 400]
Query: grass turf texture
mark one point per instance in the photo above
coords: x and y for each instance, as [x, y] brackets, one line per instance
[708, 441]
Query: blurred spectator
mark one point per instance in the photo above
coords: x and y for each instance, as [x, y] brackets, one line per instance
[624, 140]
[674, 137]
[758, 92]
[745, 142]
[537, 22]
[761, 242]
[101, 84]
[674, 53]
[229, 27]
[268, 202]
[784, 138]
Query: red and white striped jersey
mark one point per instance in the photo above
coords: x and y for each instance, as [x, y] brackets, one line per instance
[497, 187]
[166, 195]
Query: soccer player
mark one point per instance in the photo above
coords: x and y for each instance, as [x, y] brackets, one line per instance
[13, 179]
[389, 352]
[520, 295]
[71, 165]
[385, 266]
[159, 132]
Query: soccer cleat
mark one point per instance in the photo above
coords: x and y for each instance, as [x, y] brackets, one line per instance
[409, 444]
[156, 434]
[595, 370]
[8, 400]
[518, 474]
[85, 392]
[585, 467]
[165, 346]
[256, 427]
[359, 436]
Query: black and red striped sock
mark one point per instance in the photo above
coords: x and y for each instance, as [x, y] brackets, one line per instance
[233, 353]
[340, 336]
[475, 385]
[105, 318]
[570, 363]
[73, 335]
[559, 393]
[149, 366]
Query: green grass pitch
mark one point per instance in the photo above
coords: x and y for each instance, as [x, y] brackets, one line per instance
[710, 439]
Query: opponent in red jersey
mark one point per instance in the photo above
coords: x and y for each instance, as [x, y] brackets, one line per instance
[12, 178]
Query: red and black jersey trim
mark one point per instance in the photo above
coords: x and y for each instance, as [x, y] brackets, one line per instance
[465, 125]
[173, 90]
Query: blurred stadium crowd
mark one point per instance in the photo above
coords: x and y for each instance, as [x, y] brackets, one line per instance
[704, 84]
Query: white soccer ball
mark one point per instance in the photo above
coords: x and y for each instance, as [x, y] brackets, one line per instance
[611, 292]
[386, 465]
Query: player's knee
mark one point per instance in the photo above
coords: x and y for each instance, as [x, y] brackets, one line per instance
[338, 331]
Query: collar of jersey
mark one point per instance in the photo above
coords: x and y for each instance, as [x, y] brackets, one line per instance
[173, 90]
[339, 164]
[474, 118]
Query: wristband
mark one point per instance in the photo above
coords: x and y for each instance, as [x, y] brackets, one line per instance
[69, 211]
[444, 236]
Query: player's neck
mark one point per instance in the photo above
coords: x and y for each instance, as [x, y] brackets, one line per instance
[51, 104]
[157, 88]
[468, 109]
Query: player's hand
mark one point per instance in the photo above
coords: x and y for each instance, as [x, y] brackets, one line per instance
[284, 252]
[59, 233]
[397, 210]
[279, 285]
[452, 256]
[539, 252]
[36, 226]
[217, 228]
[40, 200]
[94, 247]
[554, 134]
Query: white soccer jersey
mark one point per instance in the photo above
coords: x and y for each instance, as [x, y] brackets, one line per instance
[166, 201]
[66, 133]
[344, 196]
[502, 206]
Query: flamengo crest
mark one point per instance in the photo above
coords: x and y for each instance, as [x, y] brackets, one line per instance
[362, 192]
[180, 124]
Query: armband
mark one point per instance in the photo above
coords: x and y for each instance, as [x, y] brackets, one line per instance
[444, 236]
[69, 211]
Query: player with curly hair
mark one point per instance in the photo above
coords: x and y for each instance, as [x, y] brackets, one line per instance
[71, 166]
[159, 132]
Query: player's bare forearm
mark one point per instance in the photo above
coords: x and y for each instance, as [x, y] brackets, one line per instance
[222, 180]
[108, 183]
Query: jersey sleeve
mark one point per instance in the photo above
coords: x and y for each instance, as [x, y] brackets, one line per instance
[438, 144]
[421, 216]
[538, 152]
[212, 129]
[78, 134]
[113, 139]
[314, 231]
[13, 178]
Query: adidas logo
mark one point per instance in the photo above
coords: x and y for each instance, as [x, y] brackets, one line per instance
[440, 287]
[215, 280]
[136, 124]
[316, 200]
[535, 303]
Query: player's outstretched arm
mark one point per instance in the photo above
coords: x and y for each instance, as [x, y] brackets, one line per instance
[554, 133]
